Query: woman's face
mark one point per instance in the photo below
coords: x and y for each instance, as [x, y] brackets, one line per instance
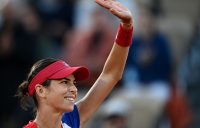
[61, 94]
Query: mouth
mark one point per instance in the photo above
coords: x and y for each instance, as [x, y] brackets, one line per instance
[70, 98]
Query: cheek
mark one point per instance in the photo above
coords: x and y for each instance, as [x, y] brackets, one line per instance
[56, 100]
[55, 95]
[58, 90]
[53, 98]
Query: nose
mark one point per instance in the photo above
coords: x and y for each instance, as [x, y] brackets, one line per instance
[73, 89]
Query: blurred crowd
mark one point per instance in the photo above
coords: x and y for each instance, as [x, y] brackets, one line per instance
[160, 87]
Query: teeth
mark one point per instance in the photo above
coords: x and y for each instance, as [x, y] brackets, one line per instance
[70, 99]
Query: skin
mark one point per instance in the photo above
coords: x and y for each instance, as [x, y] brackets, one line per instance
[52, 101]
[113, 68]
[59, 97]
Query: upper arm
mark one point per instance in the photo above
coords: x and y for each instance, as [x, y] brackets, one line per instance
[96, 95]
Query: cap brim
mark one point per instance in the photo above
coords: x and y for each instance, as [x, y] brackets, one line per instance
[80, 73]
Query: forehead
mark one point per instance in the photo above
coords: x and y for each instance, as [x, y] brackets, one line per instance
[70, 78]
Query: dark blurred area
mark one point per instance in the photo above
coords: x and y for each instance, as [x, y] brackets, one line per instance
[161, 83]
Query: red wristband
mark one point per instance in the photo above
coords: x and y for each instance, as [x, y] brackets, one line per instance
[124, 36]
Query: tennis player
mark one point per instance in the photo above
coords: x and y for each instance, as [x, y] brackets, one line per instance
[51, 82]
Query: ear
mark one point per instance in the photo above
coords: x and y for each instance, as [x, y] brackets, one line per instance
[40, 90]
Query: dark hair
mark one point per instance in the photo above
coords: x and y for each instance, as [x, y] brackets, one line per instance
[22, 93]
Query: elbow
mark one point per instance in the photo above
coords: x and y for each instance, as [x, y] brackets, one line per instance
[115, 75]
[111, 77]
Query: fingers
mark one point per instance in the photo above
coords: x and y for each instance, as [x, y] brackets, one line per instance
[116, 12]
[118, 4]
[109, 4]
[104, 3]
[116, 8]
[125, 16]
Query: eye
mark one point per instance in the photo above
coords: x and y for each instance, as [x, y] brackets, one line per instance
[75, 83]
[64, 82]
[68, 82]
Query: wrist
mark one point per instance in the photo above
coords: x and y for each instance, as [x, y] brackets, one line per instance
[124, 35]
[127, 25]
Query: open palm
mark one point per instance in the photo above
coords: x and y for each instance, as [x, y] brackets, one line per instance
[117, 9]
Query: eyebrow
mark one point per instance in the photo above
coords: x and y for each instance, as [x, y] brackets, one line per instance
[67, 79]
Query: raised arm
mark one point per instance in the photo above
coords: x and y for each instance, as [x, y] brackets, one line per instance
[114, 65]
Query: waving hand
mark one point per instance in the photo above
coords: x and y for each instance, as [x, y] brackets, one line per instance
[117, 9]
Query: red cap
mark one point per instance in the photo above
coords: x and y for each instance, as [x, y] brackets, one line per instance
[57, 70]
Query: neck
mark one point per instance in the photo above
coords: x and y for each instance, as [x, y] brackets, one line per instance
[47, 118]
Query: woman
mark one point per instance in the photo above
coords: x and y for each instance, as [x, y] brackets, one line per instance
[51, 83]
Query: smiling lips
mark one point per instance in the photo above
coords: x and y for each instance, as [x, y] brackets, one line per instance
[70, 98]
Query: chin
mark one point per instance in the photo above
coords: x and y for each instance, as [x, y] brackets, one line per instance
[69, 108]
